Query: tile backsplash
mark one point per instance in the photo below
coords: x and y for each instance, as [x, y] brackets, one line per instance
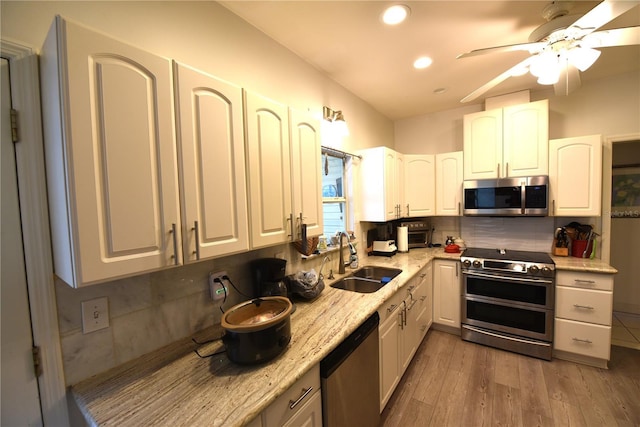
[525, 234]
[152, 310]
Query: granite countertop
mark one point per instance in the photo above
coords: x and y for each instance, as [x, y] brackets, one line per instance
[173, 386]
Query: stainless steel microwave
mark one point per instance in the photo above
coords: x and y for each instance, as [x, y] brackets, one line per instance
[523, 196]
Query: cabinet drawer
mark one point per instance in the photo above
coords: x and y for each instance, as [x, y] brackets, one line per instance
[585, 280]
[584, 305]
[582, 338]
[390, 306]
[280, 411]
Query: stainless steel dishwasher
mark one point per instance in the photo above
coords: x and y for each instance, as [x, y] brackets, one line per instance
[350, 379]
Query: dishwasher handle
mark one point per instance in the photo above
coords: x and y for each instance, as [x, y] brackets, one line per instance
[334, 359]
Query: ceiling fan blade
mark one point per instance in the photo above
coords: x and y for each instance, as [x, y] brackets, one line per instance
[608, 38]
[606, 11]
[568, 82]
[497, 80]
[528, 47]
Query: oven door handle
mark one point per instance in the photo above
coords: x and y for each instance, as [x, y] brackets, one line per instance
[493, 276]
[508, 337]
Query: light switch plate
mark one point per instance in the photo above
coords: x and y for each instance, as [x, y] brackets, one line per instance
[95, 315]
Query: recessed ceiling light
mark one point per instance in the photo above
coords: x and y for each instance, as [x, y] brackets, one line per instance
[422, 62]
[395, 14]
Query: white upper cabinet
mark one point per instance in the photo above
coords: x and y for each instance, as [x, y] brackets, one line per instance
[449, 177]
[380, 198]
[269, 171]
[575, 176]
[419, 185]
[211, 143]
[306, 174]
[507, 142]
[111, 156]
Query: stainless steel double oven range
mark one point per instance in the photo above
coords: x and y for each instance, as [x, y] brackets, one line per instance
[508, 300]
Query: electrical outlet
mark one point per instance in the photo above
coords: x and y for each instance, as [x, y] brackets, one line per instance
[95, 315]
[218, 288]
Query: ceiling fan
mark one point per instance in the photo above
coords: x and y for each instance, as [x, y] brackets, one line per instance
[564, 46]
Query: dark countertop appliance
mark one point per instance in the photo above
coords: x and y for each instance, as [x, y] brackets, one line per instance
[508, 300]
[268, 275]
[523, 196]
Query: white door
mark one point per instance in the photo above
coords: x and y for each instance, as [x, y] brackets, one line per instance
[113, 174]
[306, 174]
[269, 175]
[575, 175]
[449, 176]
[213, 187]
[526, 139]
[419, 185]
[483, 144]
[20, 397]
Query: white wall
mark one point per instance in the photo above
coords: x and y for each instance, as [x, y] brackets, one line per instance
[607, 106]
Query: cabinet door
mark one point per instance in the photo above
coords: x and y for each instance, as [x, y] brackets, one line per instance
[424, 296]
[419, 185]
[446, 293]
[378, 178]
[306, 172]
[526, 139]
[483, 144]
[449, 177]
[269, 174]
[111, 156]
[309, 415]
[389, 361]
[575, 176]
[211, 142]
[399, 192]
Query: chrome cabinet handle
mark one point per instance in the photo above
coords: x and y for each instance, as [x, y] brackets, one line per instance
[498, 170]
[586, 341]
[422, 298]
[411, 288]
[422, 275]
[290, 219]
[408, 209]
[589, 282]
[175, 243]
[304, 394]
[506, 170]
[458, 208]
[391, 308]
[587, 307]
[197, 233]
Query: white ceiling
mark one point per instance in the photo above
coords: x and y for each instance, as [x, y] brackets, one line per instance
[347, 41]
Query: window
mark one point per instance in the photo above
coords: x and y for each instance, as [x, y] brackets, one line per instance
[334, 197]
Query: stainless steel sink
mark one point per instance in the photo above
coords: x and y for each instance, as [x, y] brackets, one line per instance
[367, 279]
[358, 284]
[377, 273]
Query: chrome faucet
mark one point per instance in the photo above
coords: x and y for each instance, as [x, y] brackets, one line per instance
[325, 259]
[341, 264]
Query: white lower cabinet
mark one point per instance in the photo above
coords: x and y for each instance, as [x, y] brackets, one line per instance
[404, 321]
[584, 306]
[300, 405]
[447, 282]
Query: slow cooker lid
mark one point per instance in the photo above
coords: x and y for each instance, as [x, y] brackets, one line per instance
[256, 314]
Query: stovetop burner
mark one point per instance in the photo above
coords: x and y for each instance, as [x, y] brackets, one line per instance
[506, 260]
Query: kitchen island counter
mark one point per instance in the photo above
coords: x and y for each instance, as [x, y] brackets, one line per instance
[174, 386]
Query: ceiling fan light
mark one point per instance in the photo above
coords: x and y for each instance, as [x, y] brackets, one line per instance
[583, 58]
[543, 62]
[550, 76]
[520, 70]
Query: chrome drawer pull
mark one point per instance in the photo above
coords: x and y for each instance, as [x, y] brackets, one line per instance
[583, 306]
[590, 282]
[175, 243]
[293, 404]
[391, 308]
[583, 341]
[422, 298]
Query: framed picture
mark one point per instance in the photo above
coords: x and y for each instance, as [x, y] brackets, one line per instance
[625, 197]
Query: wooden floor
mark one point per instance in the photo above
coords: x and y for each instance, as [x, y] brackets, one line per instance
[456, 383]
